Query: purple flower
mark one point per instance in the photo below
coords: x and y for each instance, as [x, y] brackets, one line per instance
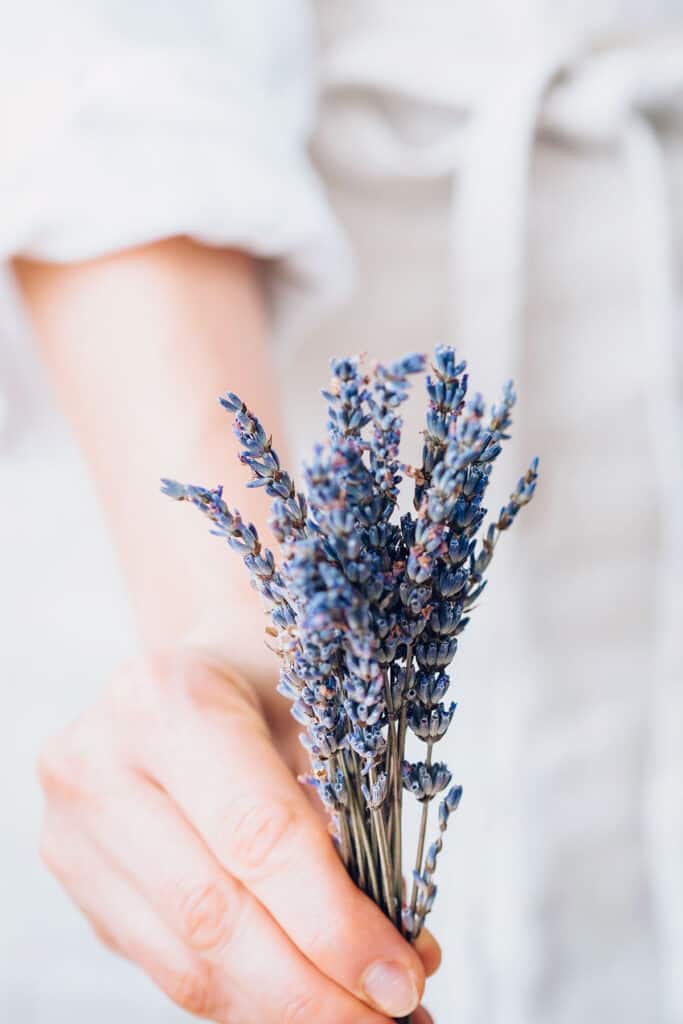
[366, 609]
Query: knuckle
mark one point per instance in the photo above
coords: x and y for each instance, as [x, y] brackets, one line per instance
[105, 936]
[302, 1008]
[205, 690]
[208, 917]
[160, 668]
[258, 834]
[140, 686]
[62, 767]
[143, 700]
[166, 683]
[77, 763]
[172, 673]
[55, 852]
[48, 853]
[193, 989]
[157, 688]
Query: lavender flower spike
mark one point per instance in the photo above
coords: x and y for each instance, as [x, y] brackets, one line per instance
[368, 609]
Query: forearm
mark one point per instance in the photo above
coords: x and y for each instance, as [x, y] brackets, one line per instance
[140, 345]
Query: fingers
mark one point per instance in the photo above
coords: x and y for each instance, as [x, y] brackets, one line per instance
[429, 952]
[252, 971]
[232, 785]
[127, 923]
[220, 880]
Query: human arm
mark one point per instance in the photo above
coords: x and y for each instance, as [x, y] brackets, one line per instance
[173, 817]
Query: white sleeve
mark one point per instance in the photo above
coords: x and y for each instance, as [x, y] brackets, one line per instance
[122, 123]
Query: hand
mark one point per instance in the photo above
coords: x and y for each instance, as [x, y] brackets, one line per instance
[177, 827]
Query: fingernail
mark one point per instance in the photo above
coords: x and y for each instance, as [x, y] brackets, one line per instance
[391, 988]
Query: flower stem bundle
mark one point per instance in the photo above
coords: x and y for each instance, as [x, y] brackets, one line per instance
[366, 607]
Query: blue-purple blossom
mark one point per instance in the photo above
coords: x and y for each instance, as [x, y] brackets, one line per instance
[424, 889]
[425, 781]
[430, 723]
[367, 608]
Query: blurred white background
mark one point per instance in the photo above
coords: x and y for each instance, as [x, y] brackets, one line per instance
[507, 177]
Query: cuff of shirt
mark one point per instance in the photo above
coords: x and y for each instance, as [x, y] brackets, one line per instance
[137, 150]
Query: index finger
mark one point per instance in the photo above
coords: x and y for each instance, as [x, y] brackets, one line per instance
[231, 783]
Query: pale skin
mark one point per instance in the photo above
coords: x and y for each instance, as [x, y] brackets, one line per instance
[173, 815]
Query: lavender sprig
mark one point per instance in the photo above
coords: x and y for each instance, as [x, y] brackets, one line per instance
[288, 508]
[426, 889]
[368, 610]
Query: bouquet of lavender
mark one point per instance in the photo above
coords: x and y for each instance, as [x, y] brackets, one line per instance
[366, 609]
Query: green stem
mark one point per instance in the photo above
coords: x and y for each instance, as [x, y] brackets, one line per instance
[398, 790]
[385, 860]
[353, 825]
[346, 845]
[422, 834]
[360, 832]
[347, 851]
[398, 807]
[374, 847]
[395, 787]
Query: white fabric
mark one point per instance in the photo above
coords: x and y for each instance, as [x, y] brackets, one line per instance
[506, 173]
[595, 90]
[121, 127]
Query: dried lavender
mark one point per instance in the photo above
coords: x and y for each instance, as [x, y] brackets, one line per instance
[366, 608]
